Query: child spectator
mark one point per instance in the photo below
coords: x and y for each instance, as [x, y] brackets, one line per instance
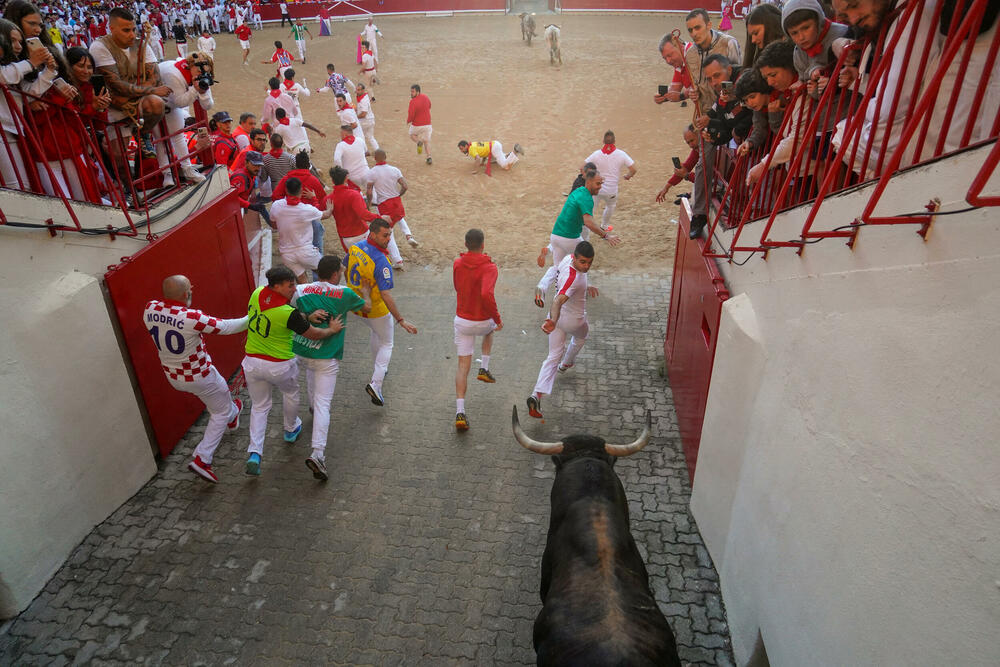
[813, 34]
[754, 93]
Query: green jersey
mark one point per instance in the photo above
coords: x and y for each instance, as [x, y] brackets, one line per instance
[334, 299]
[299, 32]
[569, 224]
[272, 322]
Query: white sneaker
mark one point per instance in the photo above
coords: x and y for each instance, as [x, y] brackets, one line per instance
[193, 175]
[412, 241]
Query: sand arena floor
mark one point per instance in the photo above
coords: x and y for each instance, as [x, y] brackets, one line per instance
[485, 83]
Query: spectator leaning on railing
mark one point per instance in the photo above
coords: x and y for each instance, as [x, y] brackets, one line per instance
[754, 93]
[707, 42]
[137, 95]
[15, 65]
[189, 79]
[763, 27]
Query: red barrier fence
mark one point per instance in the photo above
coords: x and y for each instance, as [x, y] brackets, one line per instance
[210, 248]
[310, 10]
[929, 86]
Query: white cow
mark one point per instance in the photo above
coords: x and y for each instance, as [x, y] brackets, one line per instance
[552, 38]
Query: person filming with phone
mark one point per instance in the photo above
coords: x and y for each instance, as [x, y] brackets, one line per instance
[189, 78]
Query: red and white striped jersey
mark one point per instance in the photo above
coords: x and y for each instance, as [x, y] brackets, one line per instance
[177, 333]
[573, 284]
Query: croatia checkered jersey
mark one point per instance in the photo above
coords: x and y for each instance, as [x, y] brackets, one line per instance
[573, 284]
[177, 331]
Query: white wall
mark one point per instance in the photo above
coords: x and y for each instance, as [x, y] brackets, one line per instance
[73, 446]
[848, 481]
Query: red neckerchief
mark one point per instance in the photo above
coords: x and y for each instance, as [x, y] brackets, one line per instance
[361, 96]
[349, 139]
[288, 83]
[347, 105]
[268, 298]
[817, 48]
[378, 163]
[275, 152]
[784, 94]
[368, 53]
[283, 121]
[275, 94]
[608, 149]
[185, 70]
[293, 201]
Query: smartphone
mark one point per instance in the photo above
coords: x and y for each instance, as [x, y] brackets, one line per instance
[64, 88]
[97, 81]
[203, 132]
[727, 86]
[677, 162]
[663, 90]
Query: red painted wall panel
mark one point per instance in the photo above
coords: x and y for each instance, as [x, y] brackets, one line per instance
[271, 11]
[210, 248]
[696, 297]
[714, 6]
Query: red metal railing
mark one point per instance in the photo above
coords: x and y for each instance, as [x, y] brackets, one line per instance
[892, 118]
[86, 167]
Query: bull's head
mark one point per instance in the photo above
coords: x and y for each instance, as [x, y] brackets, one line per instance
[554, 448]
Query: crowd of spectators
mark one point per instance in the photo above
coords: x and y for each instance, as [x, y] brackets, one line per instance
[809, 72]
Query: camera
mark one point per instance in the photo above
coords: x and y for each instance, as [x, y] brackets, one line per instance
[204, 81]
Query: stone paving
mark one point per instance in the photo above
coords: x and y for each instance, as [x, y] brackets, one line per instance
[424, 547]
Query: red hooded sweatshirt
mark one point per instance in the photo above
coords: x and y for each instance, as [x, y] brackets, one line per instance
[475, 275]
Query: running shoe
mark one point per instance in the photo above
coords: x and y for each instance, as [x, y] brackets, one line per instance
[318, 467]
[235, 424]
[485, 376]
[412, 241]
[420, 147]
[430, 161]
[541, 257]
[253, 464]
[375, 394]
[535, 407]
[539, 297]
[199, 467]
[461, 422]
[293, 435]
[146, 145]
[565, 367]
[518, 149]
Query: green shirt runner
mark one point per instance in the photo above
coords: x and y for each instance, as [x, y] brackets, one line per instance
[299, 32]
[569, 224]
[272, 321]
[337, 300]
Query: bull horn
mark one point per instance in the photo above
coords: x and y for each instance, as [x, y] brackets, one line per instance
[634, 446]
[547, 448]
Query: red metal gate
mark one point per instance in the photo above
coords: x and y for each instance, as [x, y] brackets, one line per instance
[697, 292]
[210, 248]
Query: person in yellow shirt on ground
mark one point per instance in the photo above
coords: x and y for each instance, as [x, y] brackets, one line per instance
[485, 151]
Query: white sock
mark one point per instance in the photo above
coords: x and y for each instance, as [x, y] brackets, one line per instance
[486, 362]
[459, 405]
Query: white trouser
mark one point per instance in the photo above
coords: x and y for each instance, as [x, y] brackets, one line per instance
[232, 24]
[11, 163]
[301, 44]
[368, 129]
[261, 376]
[348, 241]
[214, 393]
[380, 342]
[203, 22]
[610, 202]
[393, 250]
[67, 180]
[157, 47]
[175, 122]
[321, 380]
[574, 327]
[561, 246]
[182, 50]
[373, 45]
[260, 24]
[503, 161]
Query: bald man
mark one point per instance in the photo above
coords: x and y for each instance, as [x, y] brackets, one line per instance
[176, 330]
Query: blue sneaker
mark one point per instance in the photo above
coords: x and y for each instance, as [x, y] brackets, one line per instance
[253, 464]
[293, 435]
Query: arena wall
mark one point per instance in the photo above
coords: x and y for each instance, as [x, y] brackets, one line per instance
[74, 444]
[637, 6]
[847, 478]
[310, 10]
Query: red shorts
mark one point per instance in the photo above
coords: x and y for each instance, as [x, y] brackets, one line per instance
[392, 208]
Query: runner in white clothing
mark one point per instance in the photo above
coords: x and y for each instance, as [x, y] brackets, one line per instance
[295, 231]
[177, 331]
[610, 161]
[386, 187]
[368, 34]
[349, 116]
[366, 116]
[350, 154]
[293, 132]
[567, 317]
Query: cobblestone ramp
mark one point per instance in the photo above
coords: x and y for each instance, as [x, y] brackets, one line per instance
[424, 547]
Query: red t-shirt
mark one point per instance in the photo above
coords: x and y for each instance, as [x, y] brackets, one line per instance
[419, 112]
[474, 275]
[349, 212]
[313, 192]
[243, 32]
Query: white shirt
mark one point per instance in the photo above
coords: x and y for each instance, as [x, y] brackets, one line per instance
[365, 104]
[284, 9]
[570, 282]
[294, 224]
[294, 134]
[182, 95]
[610, 167]
[352, 158]
[369, 32]
[349, 117]
[385, 182]
[206, 45]
[368, 61]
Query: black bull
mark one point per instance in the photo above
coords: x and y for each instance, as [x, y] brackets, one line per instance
[597, 607]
